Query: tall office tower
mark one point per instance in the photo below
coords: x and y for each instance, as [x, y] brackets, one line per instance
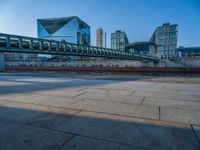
[165, 37]
[119, 40]
[99, 37]
[105, 39]
[70, 29]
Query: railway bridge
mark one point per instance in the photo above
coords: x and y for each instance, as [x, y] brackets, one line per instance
[21, 44]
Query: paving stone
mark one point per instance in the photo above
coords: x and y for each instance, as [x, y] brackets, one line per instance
[10, 83]
[106, 90]
[146, 87]
[85, 143]
[181, 87]
[168, 95]
[3, 102]
[21, 89]
[22, 137]
[112, 95]
[197, 131]
[35, 115]
[132, 131]
[170, 102]
[9, 96]
[109, 86]
[46, 100]
[180, 114]
[64, 92]
[137, 110]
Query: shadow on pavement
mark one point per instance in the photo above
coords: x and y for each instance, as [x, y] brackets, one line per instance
[27, 126]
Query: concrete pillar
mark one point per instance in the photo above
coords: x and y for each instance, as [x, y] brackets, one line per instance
[156, 64]
[2, 63]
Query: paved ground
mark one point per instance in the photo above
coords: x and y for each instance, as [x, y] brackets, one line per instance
[98, 112]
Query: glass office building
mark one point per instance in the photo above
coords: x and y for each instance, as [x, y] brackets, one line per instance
[166, 37]
[119, 40]
[69, 29]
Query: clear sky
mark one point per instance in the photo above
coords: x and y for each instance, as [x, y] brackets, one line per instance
[138, 18]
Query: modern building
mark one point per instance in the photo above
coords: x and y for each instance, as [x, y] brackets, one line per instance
[188, 51]
[70, 29]
[99, 37]
[147, 48]
[165, 37]
[119, 40]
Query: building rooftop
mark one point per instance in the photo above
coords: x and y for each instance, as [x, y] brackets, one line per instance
[140, 43]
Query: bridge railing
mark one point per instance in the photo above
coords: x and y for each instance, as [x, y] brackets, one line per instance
[22, 44]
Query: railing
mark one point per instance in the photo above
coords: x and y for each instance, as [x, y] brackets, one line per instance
[22, 44]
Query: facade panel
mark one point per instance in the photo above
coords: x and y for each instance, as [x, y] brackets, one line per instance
[42, 31]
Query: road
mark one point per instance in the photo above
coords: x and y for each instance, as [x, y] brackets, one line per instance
[98, 112]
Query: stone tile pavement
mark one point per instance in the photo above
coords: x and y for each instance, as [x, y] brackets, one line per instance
[101, 112]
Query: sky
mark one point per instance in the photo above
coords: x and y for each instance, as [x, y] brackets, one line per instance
[138, 18]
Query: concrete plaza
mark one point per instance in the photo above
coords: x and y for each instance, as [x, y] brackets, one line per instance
[52, 111]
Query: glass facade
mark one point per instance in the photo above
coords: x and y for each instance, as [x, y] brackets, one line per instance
[147, 48]
[119, 40]
[166, 37]
[69, 29]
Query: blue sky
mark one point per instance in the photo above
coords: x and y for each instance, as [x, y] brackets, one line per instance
[138, 18]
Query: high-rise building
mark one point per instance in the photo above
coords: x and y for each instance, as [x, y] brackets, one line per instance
[165, 37]
[119, 40]
[99, 37]
[70, 29]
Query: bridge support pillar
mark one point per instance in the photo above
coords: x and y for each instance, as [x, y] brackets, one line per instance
[156, 64]
[2, 62]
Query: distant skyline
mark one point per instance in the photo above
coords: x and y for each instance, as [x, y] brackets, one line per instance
[138, 18]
